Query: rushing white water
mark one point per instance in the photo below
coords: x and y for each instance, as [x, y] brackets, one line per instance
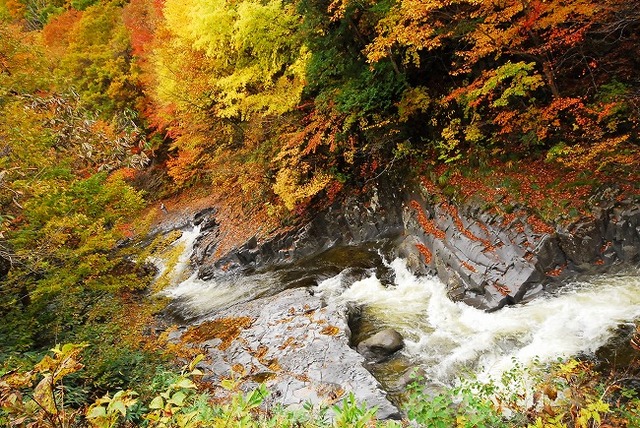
[446, 337]
[200, 297]
[181, 268]
[442, 336]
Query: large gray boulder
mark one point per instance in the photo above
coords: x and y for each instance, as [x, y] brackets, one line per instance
[381, 345]
[294, 344]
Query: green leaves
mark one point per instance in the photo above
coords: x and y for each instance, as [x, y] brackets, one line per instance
[174, 406]
[157, 403]
[502, 85]
[47, 401]
[592, 412]
[185, 383]
[92, 54]
[350, 414]
[586, 400]
[565, 394]
[253, 49]
[109, 412]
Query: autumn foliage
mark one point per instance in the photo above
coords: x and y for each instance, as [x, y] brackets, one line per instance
[277, 107]
[317, 93]
[274, 109]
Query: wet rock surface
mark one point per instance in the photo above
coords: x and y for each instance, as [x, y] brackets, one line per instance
[294, 344]
[481, 256]
[362, 218]
[299, 346]
[381, 345]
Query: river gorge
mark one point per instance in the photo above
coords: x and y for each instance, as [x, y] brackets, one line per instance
[291, 312]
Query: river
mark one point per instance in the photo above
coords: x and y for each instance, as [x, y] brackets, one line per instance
[442, 337]
[446, 338]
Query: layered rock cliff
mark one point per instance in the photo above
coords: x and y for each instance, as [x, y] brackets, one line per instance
[481, 256]
[303, 347]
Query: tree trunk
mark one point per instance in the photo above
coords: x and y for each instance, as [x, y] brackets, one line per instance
[547, 69]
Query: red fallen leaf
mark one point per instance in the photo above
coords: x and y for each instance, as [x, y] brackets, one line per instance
[502, 289]
[469, 267]
[425, 252]
[428, 225]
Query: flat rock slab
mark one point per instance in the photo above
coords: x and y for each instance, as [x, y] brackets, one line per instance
[294, 344]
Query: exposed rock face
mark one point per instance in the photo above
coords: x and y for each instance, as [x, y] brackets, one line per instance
[294, 344]
[300, 347]
[360, 219]
[480, 256]
[381, 345]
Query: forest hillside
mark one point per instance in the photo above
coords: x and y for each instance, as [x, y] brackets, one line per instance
[272, 110]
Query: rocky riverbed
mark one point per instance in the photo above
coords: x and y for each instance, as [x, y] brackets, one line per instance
[294, 343]
[300, 343]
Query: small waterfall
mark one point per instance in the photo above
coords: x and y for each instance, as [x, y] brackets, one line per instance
[198, 297]
[174, 270]
[445, 337]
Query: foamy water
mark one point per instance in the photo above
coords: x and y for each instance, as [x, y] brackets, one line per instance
[200, 297]
[182, 268]
[442, 336]
[446, 337]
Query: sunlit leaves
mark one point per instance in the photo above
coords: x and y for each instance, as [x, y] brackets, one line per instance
[205, 25]
[298, 182]
[414, 24]
[253, 49]
[45, 405]
[92, 51]
[22, 62]
[68, 229]
[509, 66]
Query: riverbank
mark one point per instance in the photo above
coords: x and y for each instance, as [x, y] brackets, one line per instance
[484, 259]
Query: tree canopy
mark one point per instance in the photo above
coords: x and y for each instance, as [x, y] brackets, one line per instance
[278, 107]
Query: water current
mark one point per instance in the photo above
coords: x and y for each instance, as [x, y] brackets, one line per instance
[446, 338]
[442, 337]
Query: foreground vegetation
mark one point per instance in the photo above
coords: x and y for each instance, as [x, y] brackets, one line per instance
[275, 109]
[565, 394]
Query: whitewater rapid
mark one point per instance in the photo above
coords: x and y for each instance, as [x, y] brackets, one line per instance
[443, 337]
[446, 337]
